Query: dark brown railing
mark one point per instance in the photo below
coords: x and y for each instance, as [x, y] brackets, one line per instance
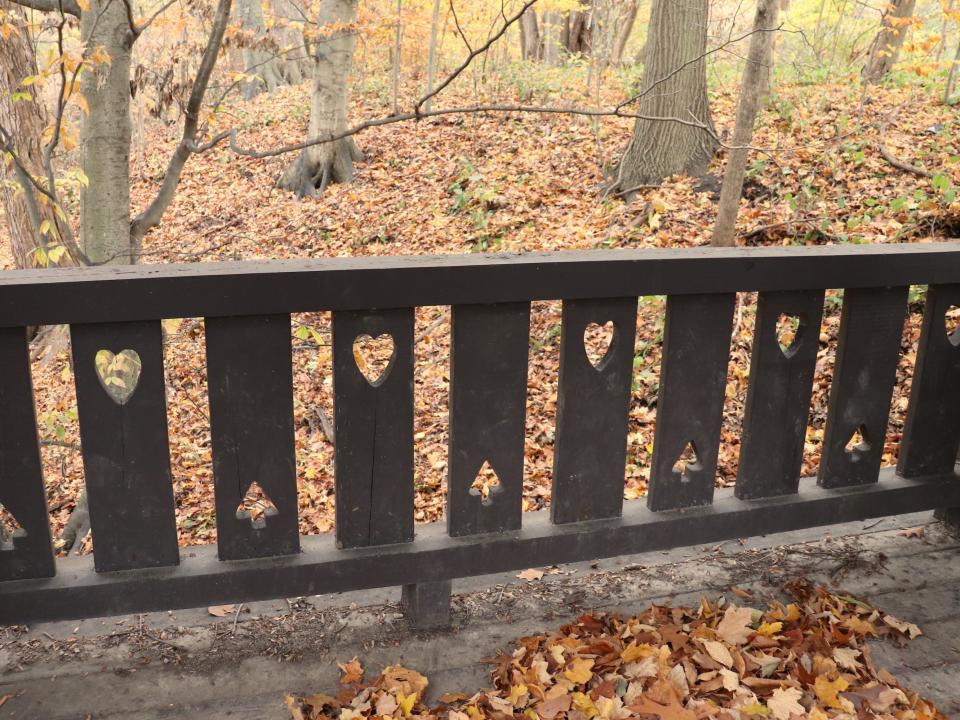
[137, 566]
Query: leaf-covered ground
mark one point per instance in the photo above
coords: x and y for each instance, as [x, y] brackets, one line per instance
[513, 183]
[806, 659]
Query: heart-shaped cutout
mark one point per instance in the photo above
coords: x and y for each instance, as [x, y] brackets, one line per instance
[374, 356]
[597, 341]
[256, 507]
[952, 321]
[789, 332]
[118, 374]
[486, 484]
[10, 529]
[858, 444]
[688, 462]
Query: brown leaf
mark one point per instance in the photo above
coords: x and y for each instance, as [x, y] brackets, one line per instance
[784, 703]
[735, 628]
[530, 575]
[352, 672]
[221, 610]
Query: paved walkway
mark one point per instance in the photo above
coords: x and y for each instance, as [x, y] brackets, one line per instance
[190, 664]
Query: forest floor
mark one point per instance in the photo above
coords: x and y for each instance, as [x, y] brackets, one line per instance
[516, 183]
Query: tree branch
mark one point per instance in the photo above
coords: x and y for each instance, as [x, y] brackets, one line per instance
[152, 215]
[70, 7]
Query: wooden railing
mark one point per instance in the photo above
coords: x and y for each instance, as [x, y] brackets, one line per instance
[137, 565]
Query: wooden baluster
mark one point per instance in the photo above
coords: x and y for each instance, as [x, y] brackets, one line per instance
[126, 457]
[28, 553]
[871, 327]
[250, 380]
[373, 425]
[593, 404]
[778, 395]
[693, 378]
[932, 431]
[488, 392]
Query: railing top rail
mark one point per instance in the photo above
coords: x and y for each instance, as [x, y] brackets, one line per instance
[142, 292]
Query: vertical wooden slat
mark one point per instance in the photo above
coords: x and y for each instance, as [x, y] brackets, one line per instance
[871, 326]
[932, 431]
[29, 553]
[488, 392]
[592, 412]
[693, 374]
[778, 395]
[373, 425]
[126, 457]
[250, 380]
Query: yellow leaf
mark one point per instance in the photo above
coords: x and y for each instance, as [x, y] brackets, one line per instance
[634, 652]
[406, 703]
[769, 629]
[827, 690]
[579, 670]
[84, 4]
[517, 695]
[44, 227]
[755, 708]
[584, 704]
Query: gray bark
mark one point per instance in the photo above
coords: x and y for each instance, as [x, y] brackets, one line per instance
[259, 61]
[951, 76]
[755, 82]
[105, 203]
[886, 45]
[674, 86]
[295, 63]
[321, 164]
[530, 46]
[432, 54]
[624, 20]
[552, 30]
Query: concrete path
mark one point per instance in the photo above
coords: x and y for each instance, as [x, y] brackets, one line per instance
[191, 664]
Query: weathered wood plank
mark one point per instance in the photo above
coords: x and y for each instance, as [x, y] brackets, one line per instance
[250, 381]
[592, 407]
[373, 425]
[488, 395]
[693, 378]
[322, 568]
[868, 349]
[28, 553]
[143, 292]
[778, 395]
[126, 458]
[932, 430]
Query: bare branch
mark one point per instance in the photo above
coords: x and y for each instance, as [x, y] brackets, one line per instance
[71, 7]
[138, 29]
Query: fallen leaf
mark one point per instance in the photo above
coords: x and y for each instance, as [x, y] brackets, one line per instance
[906, 628]
[401, 680]
[530, 575]
[221, 610]
[784, 702]
[827, 690]
[673, 710]
[549, 709]
[916, 532]
[735, 628]
[719, 652]
[352, 672]
[847, 658]
[579, 671]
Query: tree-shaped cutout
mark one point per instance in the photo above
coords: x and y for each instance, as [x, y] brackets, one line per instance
[789, 330]
[952, 321]
[10, 528]
[597, 341]
[256, 507]
[859, 443]
[374, 356]
[687, 463]
[486, 484]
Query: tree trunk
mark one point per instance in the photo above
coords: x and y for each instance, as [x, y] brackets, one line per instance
[432, 55]
[886, 45]
[398, 37]
[25, 120]
[951, 76]
[552, 28]
[328, 162]
[674, 86]
[530, 48]
[624, 26]
[577, 38]
[295, 61]
[105, 203]
[754, 85]
[259, 61]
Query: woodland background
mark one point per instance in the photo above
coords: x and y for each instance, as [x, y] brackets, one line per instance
[174, 132]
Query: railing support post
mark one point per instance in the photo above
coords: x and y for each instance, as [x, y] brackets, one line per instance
[427, 605]
[950, 516]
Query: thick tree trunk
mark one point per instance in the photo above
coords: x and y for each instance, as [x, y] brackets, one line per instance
[105, 204]
[577, 33]
[667, 140]
[328, 162]
[886, 46]
[260, 61]
[755, 82]
[552, 29]
[26, 120]
[623, 20]
[295, 60]
[530, 48]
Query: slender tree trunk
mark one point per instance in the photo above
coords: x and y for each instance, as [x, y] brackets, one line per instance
[530, 46]
[623, 27]
[952, 76]
[328, 162]
[674, 86]
[260, 61]
[755, 82]
[432, 55]
[25, 120]
[396, 58]
[886, 45]
[105, 203]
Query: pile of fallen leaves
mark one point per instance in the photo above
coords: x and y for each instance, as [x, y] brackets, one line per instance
[806, 659]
